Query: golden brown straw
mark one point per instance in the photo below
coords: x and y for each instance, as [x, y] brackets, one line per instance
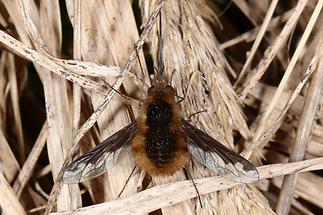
[59, 60]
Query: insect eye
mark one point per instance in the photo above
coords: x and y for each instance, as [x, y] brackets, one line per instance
[169, 90]
[151, 90]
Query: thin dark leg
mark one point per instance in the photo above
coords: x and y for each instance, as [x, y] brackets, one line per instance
[188, 175]
[133, 170]
[193, 114]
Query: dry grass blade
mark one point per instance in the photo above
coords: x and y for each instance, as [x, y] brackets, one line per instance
[271, 51]
[308, 188]
[197, 68]
[303, 134]
[289, 70]
[27, 169]
[47, 63]
[15, 101]
[169, 194]
[252, 34]
[271, 130]
[9, 202]
[60, 95]
[89, 123]
[258, 39]
[9, 164]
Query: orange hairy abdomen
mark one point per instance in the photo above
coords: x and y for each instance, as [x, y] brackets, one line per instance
[159, 146]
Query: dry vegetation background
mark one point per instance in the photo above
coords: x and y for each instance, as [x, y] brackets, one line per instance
[254, 69]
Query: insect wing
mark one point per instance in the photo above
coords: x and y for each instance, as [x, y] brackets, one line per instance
[101, 158]
[217, 157]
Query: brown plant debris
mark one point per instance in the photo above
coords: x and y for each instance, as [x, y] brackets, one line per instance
[248, 73]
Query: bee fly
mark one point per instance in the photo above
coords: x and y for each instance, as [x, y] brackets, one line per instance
[162, 142]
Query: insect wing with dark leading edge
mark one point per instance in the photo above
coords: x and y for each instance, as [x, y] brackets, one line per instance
[101, 158]
[205, 149]
[217, 157]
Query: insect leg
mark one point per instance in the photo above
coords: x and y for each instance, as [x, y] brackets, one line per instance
[124, 186]
[189, 176]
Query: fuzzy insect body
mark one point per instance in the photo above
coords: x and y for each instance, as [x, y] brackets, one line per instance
[159, 145]
[161, 142]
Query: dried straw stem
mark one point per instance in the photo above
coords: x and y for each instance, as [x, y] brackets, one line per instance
[204, 51]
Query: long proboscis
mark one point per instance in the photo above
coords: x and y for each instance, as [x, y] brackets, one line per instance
[161, 69]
